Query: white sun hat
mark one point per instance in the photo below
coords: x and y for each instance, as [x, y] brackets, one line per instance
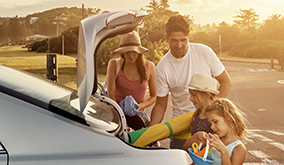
[204, 83]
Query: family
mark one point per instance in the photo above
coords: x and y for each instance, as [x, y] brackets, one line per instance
[196, 81]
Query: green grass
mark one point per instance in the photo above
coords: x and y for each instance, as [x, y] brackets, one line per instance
[22, 59]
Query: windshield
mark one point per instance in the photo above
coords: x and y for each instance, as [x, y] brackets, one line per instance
[57, 99]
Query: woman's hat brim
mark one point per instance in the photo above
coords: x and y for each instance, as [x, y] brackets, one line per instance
[124, 49]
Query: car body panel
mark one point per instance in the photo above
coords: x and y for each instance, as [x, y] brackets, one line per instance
[37, 136]
[42, 122]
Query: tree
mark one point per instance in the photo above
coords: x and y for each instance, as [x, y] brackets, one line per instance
[44, 26]
[164, 4]
[246, 18]
[4, 31]
[153, 6]
[230, 35]
[272, 28]
[15, 30]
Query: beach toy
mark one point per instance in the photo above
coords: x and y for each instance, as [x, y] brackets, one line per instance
[202, 152]
[200, 146]
[197, 158]
[195, 147]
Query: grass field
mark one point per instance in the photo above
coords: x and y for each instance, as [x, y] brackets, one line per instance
[22, 59]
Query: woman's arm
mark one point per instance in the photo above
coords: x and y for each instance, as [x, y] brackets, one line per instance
[111, 79]
[152, 87]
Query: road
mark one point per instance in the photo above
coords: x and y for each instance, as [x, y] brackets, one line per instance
[258, 91]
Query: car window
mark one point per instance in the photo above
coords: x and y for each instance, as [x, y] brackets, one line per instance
[57, 99]
[99, 114]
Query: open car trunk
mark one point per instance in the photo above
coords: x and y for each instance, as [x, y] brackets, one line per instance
[92, 32]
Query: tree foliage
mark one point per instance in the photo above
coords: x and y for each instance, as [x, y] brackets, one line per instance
[246, 18]
[244, 38]
[164, 4]
[153, 6]
[17, 29]
[272, 28]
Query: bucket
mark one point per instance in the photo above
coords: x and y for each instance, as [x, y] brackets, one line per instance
[198, 160]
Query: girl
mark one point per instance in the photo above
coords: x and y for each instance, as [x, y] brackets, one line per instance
[135, 74]
[203, 90]
[227, 123]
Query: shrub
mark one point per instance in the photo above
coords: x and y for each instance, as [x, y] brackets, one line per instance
[261, 49]
[36, 45]
[41, 49]
[239, 49]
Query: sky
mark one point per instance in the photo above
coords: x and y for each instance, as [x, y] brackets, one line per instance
[203, 11]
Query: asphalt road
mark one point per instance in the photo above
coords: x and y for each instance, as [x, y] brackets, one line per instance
[258, 91]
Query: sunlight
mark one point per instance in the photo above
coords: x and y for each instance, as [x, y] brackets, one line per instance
[272, 1]
[13, 3]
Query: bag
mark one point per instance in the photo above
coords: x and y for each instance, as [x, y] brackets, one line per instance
[103, 88]
[141, 120]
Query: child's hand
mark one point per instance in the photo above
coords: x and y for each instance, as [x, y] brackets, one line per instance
[201, 136]
[198, 137]
[217, 143]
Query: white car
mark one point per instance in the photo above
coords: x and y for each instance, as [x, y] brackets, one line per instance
[43, 122]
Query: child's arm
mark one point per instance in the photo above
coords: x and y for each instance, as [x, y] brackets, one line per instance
[198, 137]
[219, 145]
[239, 154]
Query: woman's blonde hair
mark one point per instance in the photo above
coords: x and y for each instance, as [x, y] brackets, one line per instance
[234, 117]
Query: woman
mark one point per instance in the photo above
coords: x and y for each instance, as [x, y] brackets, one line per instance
[135, 74]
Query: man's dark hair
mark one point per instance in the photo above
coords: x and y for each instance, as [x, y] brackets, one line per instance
[177, 23]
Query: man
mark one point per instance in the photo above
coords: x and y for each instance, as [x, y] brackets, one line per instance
[176, 68]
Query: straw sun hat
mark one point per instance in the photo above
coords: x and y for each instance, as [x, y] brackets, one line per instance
[204, 83]
[131, 42]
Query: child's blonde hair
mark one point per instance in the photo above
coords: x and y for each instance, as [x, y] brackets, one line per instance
[211, 98]
[234, 117]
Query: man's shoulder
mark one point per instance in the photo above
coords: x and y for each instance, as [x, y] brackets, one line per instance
[201, 49]
[198, 45]
[165, 59]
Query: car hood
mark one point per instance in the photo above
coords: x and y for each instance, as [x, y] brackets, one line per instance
[92, 32]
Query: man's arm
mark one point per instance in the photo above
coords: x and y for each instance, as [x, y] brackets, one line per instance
[225, 84]
[158, 111]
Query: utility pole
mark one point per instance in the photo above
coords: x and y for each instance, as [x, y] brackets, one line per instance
[82, 11]
[62, 44]
[220, 45]
[59, 20]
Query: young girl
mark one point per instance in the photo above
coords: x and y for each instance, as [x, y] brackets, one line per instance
[203, 90]
[227, 123]
[135, 75]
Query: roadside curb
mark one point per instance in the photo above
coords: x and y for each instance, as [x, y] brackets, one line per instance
[256, 62]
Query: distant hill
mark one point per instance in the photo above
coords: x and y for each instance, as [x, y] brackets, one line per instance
[50, 23]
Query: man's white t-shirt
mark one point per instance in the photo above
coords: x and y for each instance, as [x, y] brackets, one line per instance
[173, 74]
